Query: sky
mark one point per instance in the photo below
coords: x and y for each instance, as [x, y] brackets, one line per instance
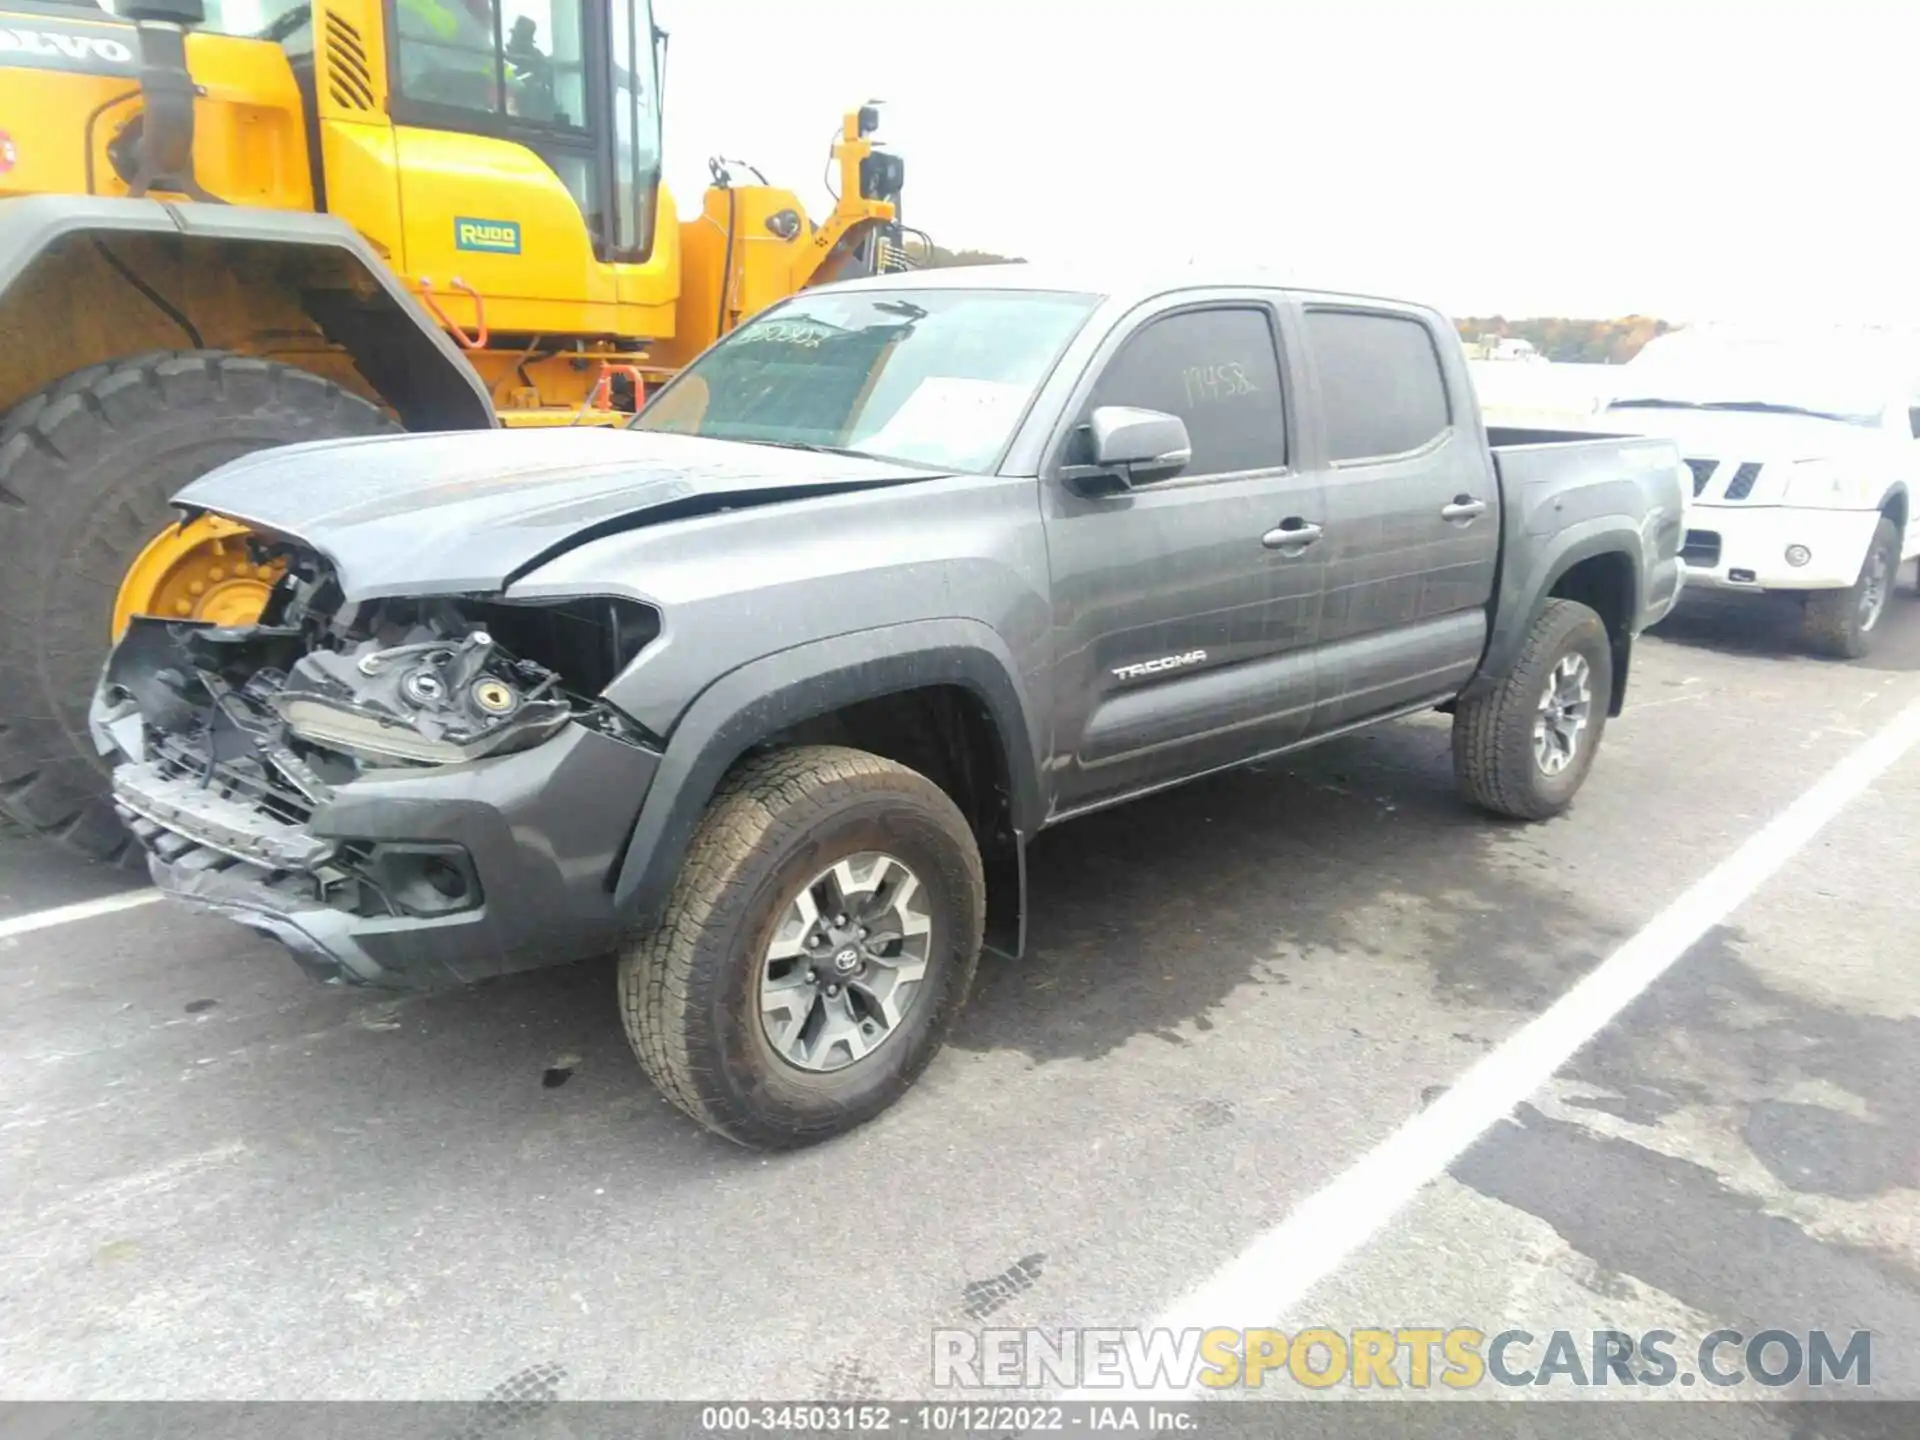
[1693, 160]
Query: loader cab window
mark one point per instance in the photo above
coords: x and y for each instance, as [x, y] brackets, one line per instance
[517, 61]
[633, 81]
[545, 62]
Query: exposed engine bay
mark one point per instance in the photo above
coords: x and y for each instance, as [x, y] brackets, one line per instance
[230, 739]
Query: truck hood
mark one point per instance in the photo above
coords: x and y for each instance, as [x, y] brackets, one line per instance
[1742, 435]
[463, 513]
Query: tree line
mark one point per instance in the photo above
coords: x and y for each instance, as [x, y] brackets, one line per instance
[942, 257]
[1592, 342]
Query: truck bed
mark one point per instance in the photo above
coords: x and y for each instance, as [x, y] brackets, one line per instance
[1561, 482]
[1580, 474]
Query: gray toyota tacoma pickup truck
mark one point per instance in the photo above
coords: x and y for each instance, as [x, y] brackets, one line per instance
[768, 692]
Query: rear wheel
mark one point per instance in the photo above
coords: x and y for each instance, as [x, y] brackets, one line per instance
[819, 943]
[87, 467]
[1524, 748]
[1841, 623]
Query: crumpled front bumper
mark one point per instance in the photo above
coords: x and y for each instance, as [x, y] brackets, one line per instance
[533, 837]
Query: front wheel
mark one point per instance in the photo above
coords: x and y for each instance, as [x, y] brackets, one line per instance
[1841, 623]
[1524, 748]
[819, 943]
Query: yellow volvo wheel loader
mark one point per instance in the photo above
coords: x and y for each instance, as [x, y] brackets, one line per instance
[230, 224]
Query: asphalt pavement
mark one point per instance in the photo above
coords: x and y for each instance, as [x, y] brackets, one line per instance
[219, 1180]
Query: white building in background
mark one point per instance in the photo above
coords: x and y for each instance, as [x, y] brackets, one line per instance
[1512, 347]
[1504, 347]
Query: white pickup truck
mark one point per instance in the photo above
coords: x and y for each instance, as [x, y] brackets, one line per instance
[1805, 451]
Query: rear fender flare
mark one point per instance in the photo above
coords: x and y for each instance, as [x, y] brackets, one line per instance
[1524, 593]
[766, 696]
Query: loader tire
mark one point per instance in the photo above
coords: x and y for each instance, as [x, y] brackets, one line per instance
[732, 999]
[87, 466]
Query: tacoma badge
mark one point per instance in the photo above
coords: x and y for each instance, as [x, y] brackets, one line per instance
[1165, 662]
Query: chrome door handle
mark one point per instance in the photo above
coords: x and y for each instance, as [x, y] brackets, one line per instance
[1464, 507]
[1291, 533]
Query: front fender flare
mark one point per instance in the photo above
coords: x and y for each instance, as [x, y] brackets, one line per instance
[768, 695]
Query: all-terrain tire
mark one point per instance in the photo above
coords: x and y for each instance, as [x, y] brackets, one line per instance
[1494, 758]
[87, 466]
[689, 986]
[1837, 622]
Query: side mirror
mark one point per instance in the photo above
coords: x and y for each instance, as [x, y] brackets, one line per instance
[1129, 447]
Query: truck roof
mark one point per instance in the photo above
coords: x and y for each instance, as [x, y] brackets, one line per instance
[1116, 284]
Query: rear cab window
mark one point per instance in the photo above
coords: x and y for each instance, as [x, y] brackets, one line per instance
[1382, 390]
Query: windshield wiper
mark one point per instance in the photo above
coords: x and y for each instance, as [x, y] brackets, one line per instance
[1756, 407]
[809, 445]
[1769, 407]
[928, 466]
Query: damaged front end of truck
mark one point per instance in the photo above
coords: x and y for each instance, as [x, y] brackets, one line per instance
[406, 792]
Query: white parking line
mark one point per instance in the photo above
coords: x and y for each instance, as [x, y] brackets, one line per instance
[66, 914]
[1274, 1274]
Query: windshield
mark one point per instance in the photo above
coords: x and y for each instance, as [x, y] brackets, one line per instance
[934, 377]
[1838, 378]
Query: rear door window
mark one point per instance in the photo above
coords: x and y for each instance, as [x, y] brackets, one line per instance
[1382, 391]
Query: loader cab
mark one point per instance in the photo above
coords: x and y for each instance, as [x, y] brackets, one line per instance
[573, 81]
[512, 145]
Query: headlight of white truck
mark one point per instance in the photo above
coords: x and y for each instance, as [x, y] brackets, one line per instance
[1827, 485]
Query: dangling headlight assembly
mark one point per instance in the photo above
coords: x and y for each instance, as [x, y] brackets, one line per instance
[375, 738]
[442, 702]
